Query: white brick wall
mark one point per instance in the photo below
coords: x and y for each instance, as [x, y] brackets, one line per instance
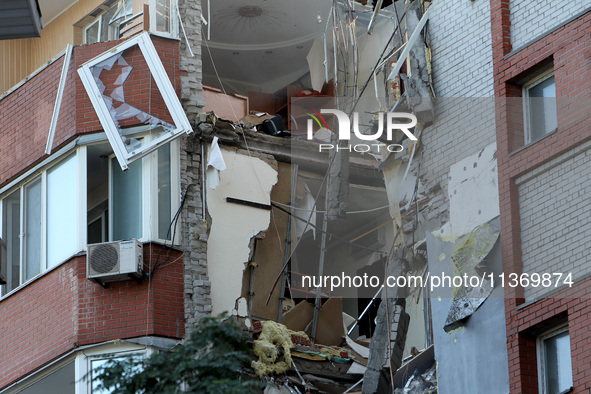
[530, 19]
[556, 217]
[461, 45]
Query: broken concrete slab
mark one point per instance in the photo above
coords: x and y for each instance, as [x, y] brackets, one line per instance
[468, 259]
[387, 347]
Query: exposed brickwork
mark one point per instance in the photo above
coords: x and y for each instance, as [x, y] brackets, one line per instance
[197, 285]
[459, 84]
[62, 310]
[462, 66]
[39, 322]
[566, 47]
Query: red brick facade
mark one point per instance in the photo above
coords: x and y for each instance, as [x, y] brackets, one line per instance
[63, 310]
[568, 49]
[26, 112]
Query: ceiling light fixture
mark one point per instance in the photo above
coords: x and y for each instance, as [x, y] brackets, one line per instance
[249, 18]
[250, 11]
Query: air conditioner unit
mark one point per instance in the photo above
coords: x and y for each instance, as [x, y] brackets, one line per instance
[114, 261]
[3, 269]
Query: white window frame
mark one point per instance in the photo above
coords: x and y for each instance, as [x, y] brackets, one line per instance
[150, 194]
[80, 157]
[98, 38]
[173, 22]
[164, 85]
[85, 358]
[541, 355]
[526, 103]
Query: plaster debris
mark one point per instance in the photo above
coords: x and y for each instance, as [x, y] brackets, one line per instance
[468, 258]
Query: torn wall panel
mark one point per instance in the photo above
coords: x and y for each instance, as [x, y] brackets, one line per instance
[473, 192]
[270, 252]
[246, 178]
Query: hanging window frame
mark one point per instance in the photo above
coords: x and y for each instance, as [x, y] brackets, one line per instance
[181, 122]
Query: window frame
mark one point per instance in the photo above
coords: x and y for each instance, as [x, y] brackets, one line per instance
[541, 356]
[173, 22]
[113, 32]
[78, 152]
[85, 358]
[164, 85]
[41, 176]
[527, 116]
[149, 194]
[98, 34]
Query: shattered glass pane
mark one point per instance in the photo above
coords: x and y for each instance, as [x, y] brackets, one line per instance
[124, 9]
[131, 95]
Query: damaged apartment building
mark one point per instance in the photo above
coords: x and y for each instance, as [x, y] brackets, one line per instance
[281, 160]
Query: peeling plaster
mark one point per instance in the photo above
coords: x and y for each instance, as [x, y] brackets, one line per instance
[233, 225]
[473, 194]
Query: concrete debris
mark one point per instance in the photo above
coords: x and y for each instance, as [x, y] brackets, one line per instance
[468, 259]
[425, 383]
[386, 347]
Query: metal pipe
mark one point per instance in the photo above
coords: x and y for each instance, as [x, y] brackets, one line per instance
[365, 310]
[374, 16]
[251, 282]
[294, 180]
[320, 272]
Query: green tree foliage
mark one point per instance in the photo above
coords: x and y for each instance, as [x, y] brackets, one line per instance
[210, 361]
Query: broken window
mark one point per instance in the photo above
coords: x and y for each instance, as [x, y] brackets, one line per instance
[554, 361]
[124, 94]
[39, 222]
[539, 100]
[106, 26]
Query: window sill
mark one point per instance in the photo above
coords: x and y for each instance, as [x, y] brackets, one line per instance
[524, 147]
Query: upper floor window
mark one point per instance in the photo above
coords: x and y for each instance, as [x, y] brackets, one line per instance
[554, 361]
[539, 100]
[163, 17]
[106, 26]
